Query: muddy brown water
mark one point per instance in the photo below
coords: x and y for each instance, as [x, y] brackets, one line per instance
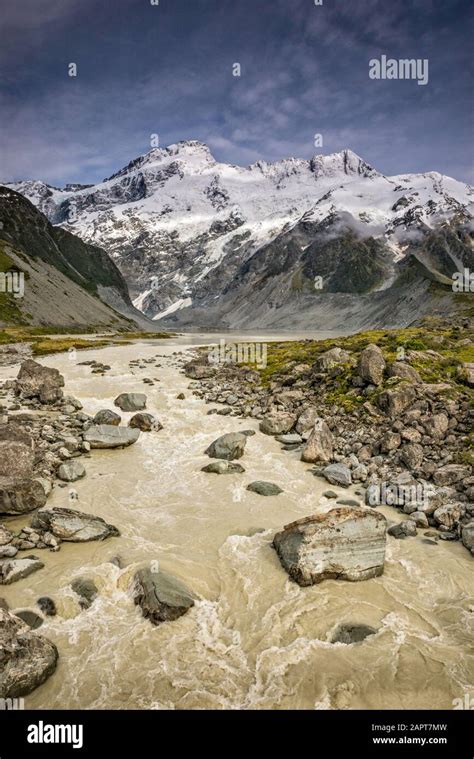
[254, 640]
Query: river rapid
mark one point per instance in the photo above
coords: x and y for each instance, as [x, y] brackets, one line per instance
[254, 640]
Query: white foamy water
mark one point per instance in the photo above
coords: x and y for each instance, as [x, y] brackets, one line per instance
[254, 639]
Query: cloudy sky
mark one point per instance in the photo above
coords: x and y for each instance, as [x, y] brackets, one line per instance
[167, 69]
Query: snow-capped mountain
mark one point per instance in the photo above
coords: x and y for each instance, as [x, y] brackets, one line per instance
[182, 227]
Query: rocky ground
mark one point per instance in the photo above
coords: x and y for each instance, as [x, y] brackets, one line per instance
[389, 411]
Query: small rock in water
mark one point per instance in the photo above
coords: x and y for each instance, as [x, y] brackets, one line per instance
[338, 474]
[181, 397]
[31, 618]
[47, 606]
[145, 423]
[131, 401]
[404, 529]
[329, 494]
[71, 471]
[73, 526]
[12, 570]
[104, 416]
[352, 633]
[264, 488]
[223, 467]
[87, 591]
[347, 502]
[228, 447]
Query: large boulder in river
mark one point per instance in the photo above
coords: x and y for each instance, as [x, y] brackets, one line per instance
[26, 659]
[161, 596]
[73, 526]
[277, 423]
[109, 436]
[319, 446]
[342, 544]
[37, 381]
[16, 459]
[230, 446]
[338, 474]
[371, 365]
[20, 496]
[131, 401]
[104, 416]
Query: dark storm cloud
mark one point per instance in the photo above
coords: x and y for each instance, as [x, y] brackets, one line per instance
[167, 69]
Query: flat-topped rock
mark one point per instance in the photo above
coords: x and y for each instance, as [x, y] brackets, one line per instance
[73, 526]
[341, 544]
[12, 570]
[109, 436]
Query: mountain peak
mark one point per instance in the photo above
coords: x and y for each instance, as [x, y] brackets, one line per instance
[344, 161]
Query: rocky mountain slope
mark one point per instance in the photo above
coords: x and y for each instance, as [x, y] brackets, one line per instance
[202, 243]
[66, 282]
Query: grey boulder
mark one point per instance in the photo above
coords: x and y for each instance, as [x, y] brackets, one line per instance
[73, 526]
[71, 471]
[109, 436]
[12, 570]
[37, 381]
[264, 488]
[26, 659]
[131, 401]
[161, 597]
[338, 474]
[230, 446]
[341, 544]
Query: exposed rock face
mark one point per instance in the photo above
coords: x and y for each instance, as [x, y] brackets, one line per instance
[223, 467]
[109, 436]
[395, 401]
[131, 401]
[71, 471]
[12, 570]
[20, 496]
[277, 424]
[319, 447]
[37, 381]
[26, 659]
[306, 420]
[16, 459]
[73, 526]
[228, 447]
[342, 544]
[450, 474]
[161, 597]
[405, 371]
[330, 359]
[104, 416]
[264, 488]
[145, 423]
[371, 365]
[338, 474]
